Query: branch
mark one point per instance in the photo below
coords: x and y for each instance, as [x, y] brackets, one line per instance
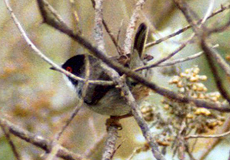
[45, 58]
[173, 62]
[167, 57]
[109, 32]
[55, 146]
[214, 142]
[219, 29]
[208, 136]
[39, 141]
[123, 87]
[223, 8]
[110, 145]
[11, 143]
[211, 54]
[160, 90]
[131, 27]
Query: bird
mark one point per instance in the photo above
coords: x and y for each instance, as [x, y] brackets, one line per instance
[107, 100]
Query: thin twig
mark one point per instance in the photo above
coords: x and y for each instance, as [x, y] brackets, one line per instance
[110, 145]
[119, 31]
[167, 57]
[55, 146]
[54, 12]
[185, 9]
[81, 101]
[209, 136]
[196, 55]
[39, 141]
[11, 143]
[124, 89]
[131, 27]
[209, 11]
[214, 142]
[160, 90]
[212, 56]
[143, 148]
[219, 29]
[98, 31]
[45, 58]
[53, 151]
[223, 8]
[75, 16]
[119, 50]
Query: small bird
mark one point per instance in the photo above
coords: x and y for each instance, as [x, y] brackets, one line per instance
[107, 100]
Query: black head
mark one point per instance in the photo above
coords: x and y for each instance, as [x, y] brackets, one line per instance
[75, 65]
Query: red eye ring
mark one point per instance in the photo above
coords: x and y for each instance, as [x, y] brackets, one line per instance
[69, 69]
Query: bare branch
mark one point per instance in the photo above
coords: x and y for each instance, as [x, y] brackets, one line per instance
[212, 55]
[39, 141]
[80, 103]
[173, 62]
[131, 27]
[11, 143]
[208, 136]
[45, 58]
[167, 57]
[98, 29]
[54, 12]
[223, 8]
[55, 145]
[123, 86]
[160, 90]
[109, 32]
[110, 145]
[220, 29]
[209, 52]
[187, 14]
[209, 11]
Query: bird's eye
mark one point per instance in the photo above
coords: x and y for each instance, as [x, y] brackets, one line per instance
[69, 69]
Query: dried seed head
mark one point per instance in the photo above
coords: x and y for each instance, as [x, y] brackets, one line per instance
[202, 111]
[174, 80]
[203, 77]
